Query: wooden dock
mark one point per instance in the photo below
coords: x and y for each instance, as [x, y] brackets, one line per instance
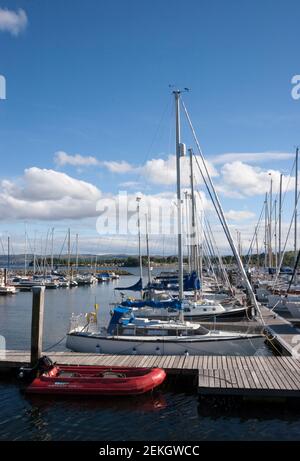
[284, 336]
[258, 376]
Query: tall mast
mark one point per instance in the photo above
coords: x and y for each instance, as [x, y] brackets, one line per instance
[296, 207]
[8, 253]
[279, 219]
[69, 251]
[138, 199]
[266, 229]
[179, 211]
[25, 254]
[270, 225]
[193, 235]
[148, 252]
[275, 233]
[76, 252]
[186, 195]
[34, 255]
[41, 264]
[52, 247]
[201, 251]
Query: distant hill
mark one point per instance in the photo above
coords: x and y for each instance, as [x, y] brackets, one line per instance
[130, 260]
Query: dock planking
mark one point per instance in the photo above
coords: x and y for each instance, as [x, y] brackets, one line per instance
[281, 332]
[264, 376]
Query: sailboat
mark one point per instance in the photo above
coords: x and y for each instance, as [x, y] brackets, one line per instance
[128, 334]
[5, 289]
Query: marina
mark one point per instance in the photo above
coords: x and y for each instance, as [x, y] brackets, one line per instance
[258, 376]
[149, 224]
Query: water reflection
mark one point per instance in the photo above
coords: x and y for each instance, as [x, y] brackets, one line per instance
[144, 403]
[248, 409]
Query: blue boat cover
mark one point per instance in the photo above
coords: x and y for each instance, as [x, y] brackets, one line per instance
[175, 304]
[138, 286]
[118, 313]
[192, 282]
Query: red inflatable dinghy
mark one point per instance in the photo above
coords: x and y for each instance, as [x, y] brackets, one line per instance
[93, 380]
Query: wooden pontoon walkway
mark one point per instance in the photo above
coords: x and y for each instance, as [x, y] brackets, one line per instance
[281, 332]
[258, 376]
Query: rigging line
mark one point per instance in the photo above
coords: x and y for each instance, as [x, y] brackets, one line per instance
[3, 249]
[286, 240]
[294, 271]
[209, 252]
[212, 199]
[225, 275]
[206, 221]
[55, 344]
[289, 180]
[217, 205]
[284, 195]
[45, 262]
[62, 246]
[202, 158]
[256, 230]
[156, 133]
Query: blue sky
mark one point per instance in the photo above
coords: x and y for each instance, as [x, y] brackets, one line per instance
[91, 78]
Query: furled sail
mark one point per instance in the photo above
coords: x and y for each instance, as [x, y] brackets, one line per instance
[138, 286]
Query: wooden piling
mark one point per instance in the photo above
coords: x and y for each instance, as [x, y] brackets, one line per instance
[38, 297]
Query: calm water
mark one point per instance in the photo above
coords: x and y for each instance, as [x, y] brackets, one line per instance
[168, 414]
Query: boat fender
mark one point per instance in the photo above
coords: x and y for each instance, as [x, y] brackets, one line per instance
[98, 349]
[157, 350]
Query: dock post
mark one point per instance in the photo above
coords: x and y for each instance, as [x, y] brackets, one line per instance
[38, 297]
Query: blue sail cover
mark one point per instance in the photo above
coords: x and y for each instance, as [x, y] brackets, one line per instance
[118, 313]
[138, 286]
[175, 304]
[192, 282]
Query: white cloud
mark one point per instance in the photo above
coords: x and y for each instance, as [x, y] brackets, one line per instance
[240, 180]
[163, 172]
[161, 209]
[12, 21]
[130, 184]
[254, 157]
[61, 158]
[118, 167]
[47, 194]
[235, 215]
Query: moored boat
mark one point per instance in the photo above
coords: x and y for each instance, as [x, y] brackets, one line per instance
[97, 380]
[139, 336]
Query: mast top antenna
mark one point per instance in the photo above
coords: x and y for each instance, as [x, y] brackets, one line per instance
[178, 91]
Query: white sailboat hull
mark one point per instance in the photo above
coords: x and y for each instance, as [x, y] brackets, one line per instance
[164, 345]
